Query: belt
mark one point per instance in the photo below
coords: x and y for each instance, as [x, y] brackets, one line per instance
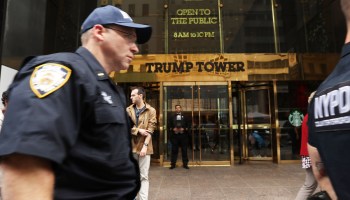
[178, 133]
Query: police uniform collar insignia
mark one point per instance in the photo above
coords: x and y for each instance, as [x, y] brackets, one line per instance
[48, 77]
[101, 75]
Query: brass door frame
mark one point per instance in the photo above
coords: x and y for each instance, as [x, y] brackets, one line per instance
[163, 125]
[245, 127]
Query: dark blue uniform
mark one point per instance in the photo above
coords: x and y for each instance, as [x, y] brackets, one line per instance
[329, 124]
[79, 124]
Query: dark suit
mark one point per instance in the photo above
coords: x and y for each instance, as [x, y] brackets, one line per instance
[179, 138]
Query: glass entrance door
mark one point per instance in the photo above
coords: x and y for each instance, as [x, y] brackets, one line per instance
[253, 138]
[205, 105]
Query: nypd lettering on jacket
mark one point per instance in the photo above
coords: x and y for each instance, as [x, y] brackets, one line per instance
[332, 108]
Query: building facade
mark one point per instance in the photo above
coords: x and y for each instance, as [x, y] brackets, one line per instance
[242, 70]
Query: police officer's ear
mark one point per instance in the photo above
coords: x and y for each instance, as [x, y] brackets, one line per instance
[97, 32]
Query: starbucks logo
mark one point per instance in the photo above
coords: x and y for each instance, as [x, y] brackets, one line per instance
[296, 118]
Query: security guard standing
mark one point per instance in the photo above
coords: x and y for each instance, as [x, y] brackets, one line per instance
[66, 133]
[179, 138]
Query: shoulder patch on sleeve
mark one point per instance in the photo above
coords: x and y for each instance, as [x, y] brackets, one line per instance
[48, 77]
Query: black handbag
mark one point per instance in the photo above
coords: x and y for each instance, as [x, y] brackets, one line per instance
[323, 195]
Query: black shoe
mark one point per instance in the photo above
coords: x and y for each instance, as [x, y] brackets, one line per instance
[186, 167]
[172, 167]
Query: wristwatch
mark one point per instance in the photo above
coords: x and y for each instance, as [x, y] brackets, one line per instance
[146, 144]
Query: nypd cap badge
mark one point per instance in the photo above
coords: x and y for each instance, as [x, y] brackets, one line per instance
[48, 77]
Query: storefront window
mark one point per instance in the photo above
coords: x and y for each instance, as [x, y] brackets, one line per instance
[290, 113]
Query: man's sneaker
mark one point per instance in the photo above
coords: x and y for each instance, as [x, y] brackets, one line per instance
[172, 167]
[186, 167]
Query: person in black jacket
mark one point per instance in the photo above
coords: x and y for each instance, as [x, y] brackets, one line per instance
[329, 124]
[66, 134]
[179, 138]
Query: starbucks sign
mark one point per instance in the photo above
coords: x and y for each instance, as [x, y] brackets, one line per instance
[296, 118]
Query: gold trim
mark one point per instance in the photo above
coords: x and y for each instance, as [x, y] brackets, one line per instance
[161, 124]
[166, 27]
[232, 149]
[220, 28]
[199, 164]
[275, 27]
[178, 83]
[277, 157]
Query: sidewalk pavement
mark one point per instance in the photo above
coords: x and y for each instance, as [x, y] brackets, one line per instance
[251, 181]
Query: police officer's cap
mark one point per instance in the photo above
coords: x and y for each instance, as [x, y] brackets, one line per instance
[113, 15]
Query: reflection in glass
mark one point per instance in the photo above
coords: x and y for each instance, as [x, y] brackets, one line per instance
[258, 112]
[289, 140]
[257, 106]
[259, 143]
[214, 122]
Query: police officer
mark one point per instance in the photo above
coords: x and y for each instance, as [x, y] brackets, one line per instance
[66, 133]
[179, 138]
[329, 125]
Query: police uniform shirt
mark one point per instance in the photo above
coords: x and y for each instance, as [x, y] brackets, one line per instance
[77, 120]
[329, 124]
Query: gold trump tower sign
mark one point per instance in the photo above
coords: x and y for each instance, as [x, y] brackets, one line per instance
[203, 67]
